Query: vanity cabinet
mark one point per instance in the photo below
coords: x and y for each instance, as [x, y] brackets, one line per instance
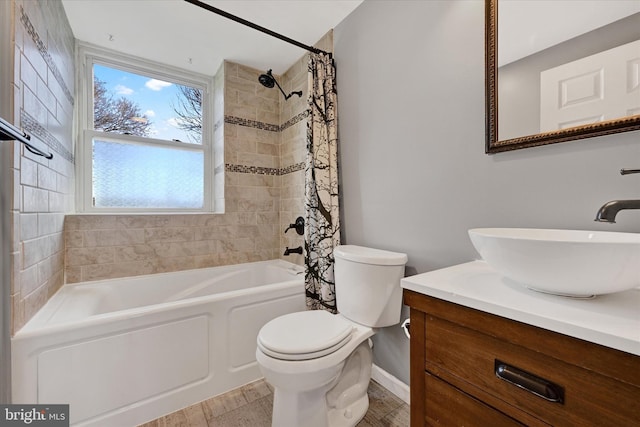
[458, 353]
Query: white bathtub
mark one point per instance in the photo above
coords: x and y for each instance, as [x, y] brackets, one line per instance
[125, 351]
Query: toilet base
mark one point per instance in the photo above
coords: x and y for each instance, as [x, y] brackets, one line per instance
[299, 409]
[312, 410]
[339, 400]
[349, 417]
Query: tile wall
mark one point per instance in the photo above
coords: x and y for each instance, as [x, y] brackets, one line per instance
[43, 189]
[293, 135]
[259, 148]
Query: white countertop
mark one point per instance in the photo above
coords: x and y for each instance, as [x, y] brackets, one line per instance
[611, 320]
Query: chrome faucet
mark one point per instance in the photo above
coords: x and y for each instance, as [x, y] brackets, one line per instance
[608, 211]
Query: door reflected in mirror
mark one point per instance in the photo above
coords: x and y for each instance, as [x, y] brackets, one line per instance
[561, 70]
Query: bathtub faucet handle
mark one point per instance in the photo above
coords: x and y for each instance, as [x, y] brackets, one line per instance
[298, 225]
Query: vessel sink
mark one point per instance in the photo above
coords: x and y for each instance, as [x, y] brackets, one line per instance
[572, 263]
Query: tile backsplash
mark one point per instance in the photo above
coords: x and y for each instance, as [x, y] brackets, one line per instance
[109, 246]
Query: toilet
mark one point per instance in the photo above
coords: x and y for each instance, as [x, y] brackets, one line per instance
[319, 363]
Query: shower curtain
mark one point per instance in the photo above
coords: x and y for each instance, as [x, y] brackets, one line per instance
[322, 231]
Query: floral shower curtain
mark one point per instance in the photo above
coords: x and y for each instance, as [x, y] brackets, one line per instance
[322, 222]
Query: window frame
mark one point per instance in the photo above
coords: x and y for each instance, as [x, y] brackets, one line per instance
[88, 55]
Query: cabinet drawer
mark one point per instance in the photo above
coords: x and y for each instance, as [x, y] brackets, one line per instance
[466, 358]
[448, 406]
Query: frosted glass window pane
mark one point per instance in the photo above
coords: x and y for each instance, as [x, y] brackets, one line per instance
[146, 176]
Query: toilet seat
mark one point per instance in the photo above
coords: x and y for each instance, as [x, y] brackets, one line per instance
[304, 335]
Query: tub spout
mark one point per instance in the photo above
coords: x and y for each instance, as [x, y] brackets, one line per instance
[608, 211]
[297, 250]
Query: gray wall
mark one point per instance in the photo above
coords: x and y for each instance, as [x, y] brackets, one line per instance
[413, 170]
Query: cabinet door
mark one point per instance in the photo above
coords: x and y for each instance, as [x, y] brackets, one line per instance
[448, 406]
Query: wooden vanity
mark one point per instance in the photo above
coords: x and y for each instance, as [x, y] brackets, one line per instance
[479, 359]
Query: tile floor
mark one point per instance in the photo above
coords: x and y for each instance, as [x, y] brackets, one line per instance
[250, 406]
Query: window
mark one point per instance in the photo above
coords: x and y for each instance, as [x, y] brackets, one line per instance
[145, 137]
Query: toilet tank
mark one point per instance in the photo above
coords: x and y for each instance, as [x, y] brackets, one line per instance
[367, 283]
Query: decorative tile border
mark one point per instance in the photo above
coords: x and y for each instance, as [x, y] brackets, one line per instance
[295, 119]
[45, 54]
[293, 168]
[251, 123]
[261, 125]
[251, 169]
[264, 126]
[259, 170]
[31, 125]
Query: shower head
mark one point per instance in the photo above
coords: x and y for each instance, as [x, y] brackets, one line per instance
[267, 80]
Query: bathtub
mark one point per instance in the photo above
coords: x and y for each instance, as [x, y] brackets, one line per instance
[125, 351]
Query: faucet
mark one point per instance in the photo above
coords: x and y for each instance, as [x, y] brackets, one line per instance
[608, 211]
[297, 250]
[298, 225]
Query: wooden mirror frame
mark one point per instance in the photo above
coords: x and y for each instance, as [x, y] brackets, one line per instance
[493, 145]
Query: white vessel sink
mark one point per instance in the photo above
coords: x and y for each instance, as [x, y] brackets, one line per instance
[562, 262]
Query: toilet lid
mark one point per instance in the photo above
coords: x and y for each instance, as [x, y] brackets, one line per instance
[304, 335]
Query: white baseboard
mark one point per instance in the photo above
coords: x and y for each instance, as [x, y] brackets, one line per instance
[390, 382]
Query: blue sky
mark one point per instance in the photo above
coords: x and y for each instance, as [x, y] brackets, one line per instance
[154, 97]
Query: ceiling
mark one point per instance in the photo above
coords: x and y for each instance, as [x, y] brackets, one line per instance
[181, 34]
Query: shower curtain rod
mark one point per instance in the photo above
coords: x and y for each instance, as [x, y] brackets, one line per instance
[256, 26]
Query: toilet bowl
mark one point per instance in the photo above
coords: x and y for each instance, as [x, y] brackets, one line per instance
[320, 363]
[308, 390]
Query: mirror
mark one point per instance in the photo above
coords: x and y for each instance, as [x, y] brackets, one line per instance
[556, 81]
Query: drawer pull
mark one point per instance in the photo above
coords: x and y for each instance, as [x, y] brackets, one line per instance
[536, 385]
